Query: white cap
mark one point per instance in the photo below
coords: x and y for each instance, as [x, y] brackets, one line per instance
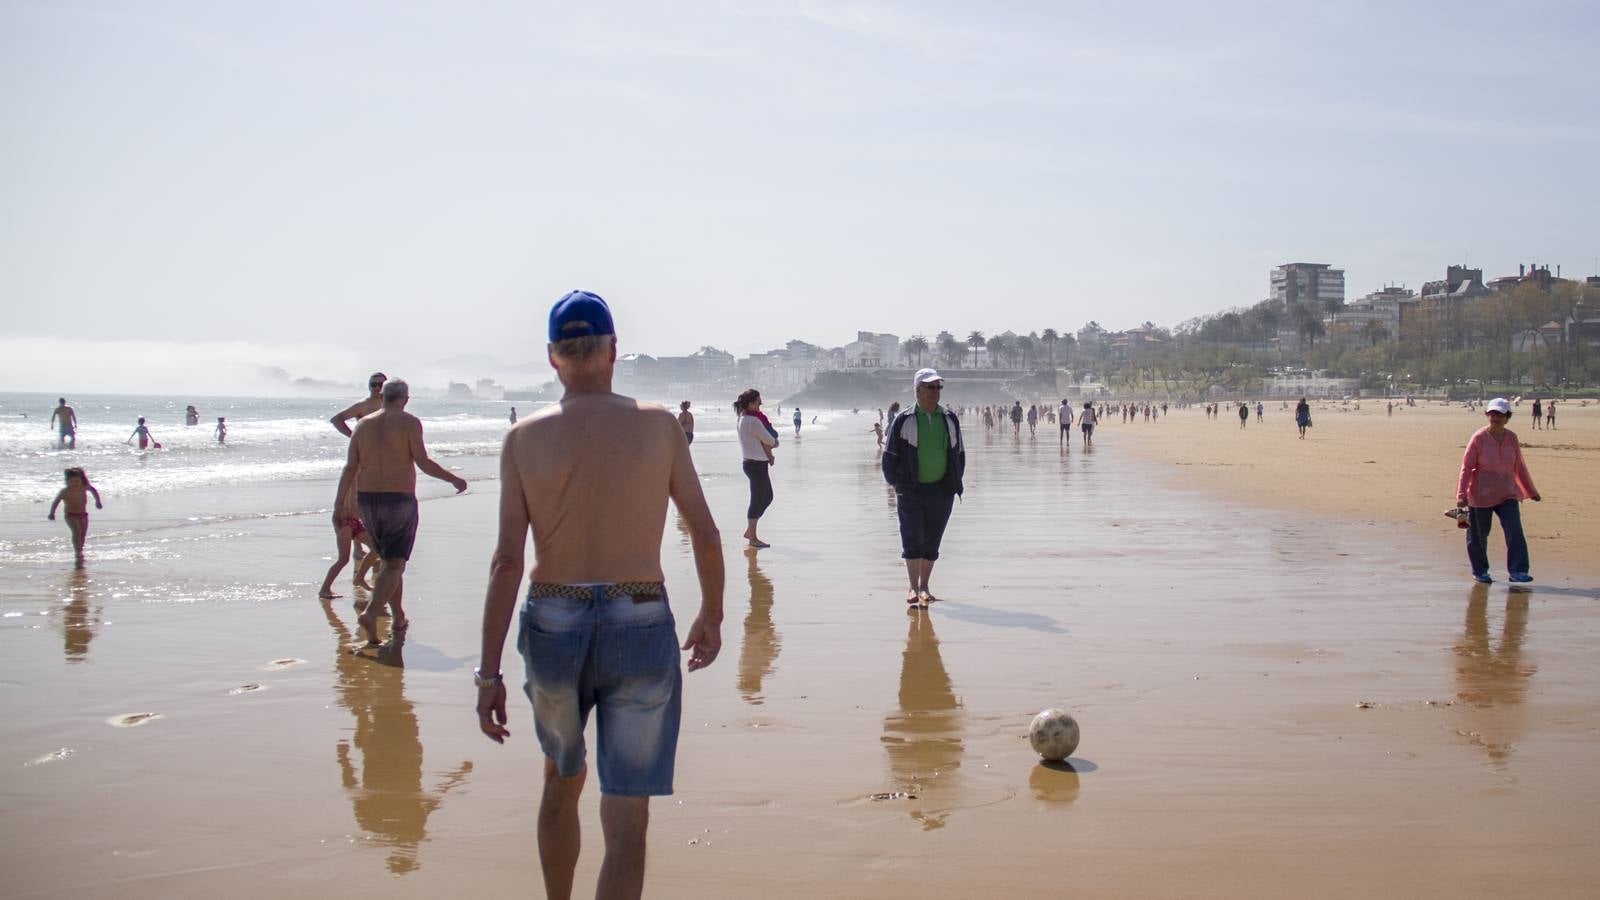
[1499, 405]
[924, 376]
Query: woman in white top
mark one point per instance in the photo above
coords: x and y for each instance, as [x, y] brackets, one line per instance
[756, 441]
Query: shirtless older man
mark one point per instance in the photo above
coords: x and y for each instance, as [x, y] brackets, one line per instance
[386, 451]
[592, 476]
[366, 407]
[65, 418]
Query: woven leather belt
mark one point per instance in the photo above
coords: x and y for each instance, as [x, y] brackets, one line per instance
[636, 589]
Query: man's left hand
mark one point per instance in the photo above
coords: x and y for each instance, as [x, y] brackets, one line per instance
[492, 712]
[703, 643]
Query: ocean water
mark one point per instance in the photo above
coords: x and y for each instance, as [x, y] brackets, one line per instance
[282, 458]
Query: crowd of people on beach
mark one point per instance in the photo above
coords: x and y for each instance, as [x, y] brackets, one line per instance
[595, 630]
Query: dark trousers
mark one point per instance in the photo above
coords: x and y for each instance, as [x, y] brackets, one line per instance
[760, 475]
[1482, 521]
[924, 512]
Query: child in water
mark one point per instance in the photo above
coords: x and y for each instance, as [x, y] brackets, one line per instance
[222, 429]
[76, 496]
[143, 434]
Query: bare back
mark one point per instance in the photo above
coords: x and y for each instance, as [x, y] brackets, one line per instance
[388, 444]
[596, 471]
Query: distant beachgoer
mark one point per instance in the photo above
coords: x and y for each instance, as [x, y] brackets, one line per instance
[686, 421]
[1391, 408]
[924, 461]
[142, 432]
[596, 632]
[76, 496]
[65, 419]
[1261, 411]
[191, 416]
[894, 410]
[513, 415]
[1538, 414]
[755, 445]
[797, 421]
[348, 530]
[1302, 417]
[1033, 420]
[1086, 424]
[1550, 415]
[386, 450]
[877, 430]
[222, 429]
[1016, 418]
[372, 403]
[988, 418]
[1064, 417]
[1494, 479]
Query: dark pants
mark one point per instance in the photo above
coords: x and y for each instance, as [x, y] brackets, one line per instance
[924, 512]
[1482, 520]
[759, 473]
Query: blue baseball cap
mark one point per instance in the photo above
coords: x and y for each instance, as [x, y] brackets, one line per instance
[580, 314]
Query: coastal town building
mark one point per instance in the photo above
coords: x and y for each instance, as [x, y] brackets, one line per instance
[1369, 320]
[1310, 384]
[1316, 284]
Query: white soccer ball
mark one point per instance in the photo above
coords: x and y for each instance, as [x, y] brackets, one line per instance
[1053, 734]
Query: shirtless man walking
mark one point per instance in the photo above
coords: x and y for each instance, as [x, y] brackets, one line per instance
[360, 408]
[591, 476]
[66, 419]
[385, 453]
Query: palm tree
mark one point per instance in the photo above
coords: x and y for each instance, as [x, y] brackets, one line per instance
[1049, 338]
[1026, 345]
[999, 346]
[1375, 332]
[916, 345]
[951, 350]
[976, 341]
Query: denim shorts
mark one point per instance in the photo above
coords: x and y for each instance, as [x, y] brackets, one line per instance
[619, 657]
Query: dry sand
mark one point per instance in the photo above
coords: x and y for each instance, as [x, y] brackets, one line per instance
[1366, 465]
[1273, 704]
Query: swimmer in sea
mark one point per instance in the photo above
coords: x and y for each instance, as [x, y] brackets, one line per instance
[146, 439]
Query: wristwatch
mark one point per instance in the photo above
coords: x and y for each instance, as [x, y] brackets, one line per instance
[483, 681]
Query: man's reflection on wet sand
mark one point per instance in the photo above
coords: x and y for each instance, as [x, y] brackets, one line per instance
[386, 785]
[78, 621]
[923, 737]
[762, 642]
[1492, 679]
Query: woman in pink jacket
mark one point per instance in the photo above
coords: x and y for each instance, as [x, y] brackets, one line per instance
[1494, 480]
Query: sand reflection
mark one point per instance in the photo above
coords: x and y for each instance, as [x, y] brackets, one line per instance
[79, 622]
[1492, 677]
[762, 642]
[923, 738]
[385, 784]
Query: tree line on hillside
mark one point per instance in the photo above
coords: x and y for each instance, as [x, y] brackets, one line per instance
[1500, 338]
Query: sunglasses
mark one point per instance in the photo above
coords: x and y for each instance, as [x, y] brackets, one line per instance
[934, 385]
[374, 384]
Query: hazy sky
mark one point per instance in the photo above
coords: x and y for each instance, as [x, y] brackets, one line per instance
[422, 180]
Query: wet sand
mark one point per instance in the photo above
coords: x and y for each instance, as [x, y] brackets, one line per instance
[1273, 704]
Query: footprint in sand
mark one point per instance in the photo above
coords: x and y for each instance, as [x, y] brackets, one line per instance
[52, 756]
[132, 719]
[246, 689]
[282, 664]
